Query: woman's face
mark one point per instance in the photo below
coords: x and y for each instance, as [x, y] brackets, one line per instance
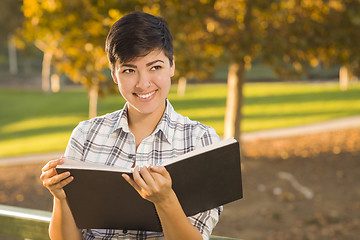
[145, 82]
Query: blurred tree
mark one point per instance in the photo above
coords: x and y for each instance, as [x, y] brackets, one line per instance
[196, 56]
[344, 19]
[239, 28]
[72, 36]
[81, 53]
[11, 19]
[289, 35]
[314, 32]
[41, 29]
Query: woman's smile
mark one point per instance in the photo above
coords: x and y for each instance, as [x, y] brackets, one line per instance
[146, 96]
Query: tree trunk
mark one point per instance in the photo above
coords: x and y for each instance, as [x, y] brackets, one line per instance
[344, 78]
[55, 82]
[93, 100]
[234, 101]
[181, 89]
[13, 65]
[45, 72]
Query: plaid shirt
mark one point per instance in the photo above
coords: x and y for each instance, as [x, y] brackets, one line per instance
[108, 140]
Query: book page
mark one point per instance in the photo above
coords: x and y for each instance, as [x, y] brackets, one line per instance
[78, 164]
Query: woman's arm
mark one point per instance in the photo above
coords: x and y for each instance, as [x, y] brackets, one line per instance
[154, 184]
[174, 221]
[62, 225]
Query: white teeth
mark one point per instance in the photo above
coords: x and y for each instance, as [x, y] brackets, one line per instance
[146, 95]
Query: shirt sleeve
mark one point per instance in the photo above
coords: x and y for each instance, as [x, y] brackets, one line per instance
[76, 144]
[206, 221]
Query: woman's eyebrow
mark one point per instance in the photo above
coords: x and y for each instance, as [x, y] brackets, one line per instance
[128, 65]
[134, 66]
[151, 63]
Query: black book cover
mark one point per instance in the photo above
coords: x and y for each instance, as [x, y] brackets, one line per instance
[202, 179]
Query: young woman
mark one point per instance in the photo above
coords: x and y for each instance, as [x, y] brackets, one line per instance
[143, 135]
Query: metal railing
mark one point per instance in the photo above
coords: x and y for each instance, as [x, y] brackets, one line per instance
[24, 223]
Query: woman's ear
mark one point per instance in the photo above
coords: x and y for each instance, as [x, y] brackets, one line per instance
[172, 68]
[114, 77]
[114, 70]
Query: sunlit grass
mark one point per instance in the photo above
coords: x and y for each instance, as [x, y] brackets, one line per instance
[281, 105]
[34, 122]
[39, 123]
[35, 144]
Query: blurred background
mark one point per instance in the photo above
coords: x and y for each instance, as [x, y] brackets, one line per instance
[280, 76]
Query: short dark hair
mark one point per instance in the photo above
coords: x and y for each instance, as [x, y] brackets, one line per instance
[137, 34]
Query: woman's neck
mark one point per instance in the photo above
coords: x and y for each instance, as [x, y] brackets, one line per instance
[143, 125]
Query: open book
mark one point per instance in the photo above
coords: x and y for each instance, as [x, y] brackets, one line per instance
[202, 179]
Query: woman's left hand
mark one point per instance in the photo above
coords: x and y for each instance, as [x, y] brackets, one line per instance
[153, 183]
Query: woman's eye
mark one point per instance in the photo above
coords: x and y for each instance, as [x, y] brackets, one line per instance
[128, 71]
[155, 67]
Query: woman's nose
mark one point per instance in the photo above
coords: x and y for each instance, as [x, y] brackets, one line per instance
[144, 81]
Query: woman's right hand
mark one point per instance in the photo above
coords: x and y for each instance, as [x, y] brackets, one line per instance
[53, 181]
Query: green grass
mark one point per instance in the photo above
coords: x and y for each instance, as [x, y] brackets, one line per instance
[282, 105]
[33, 122]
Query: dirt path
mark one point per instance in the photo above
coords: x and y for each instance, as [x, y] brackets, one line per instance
[327, 164]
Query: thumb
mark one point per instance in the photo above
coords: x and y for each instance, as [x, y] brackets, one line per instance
[160, 169]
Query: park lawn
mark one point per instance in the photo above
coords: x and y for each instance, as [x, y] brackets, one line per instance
[34, 122]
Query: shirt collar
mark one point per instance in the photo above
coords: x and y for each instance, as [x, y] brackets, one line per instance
[122, 122]
[165, 127]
